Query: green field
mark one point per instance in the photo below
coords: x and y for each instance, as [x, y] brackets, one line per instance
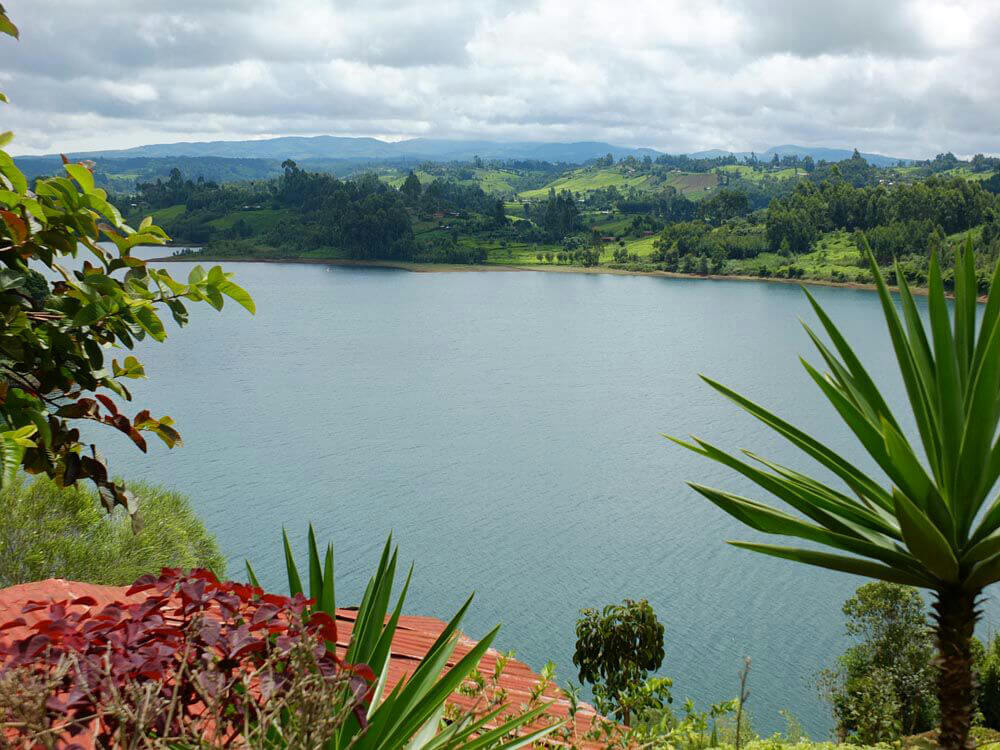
[259, 220]
[493, 181]
[749, 173]
[168, 214]
[397, 178]
[692, 185]
[587, 179]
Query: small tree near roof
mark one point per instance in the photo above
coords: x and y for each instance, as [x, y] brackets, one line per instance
[616, 649]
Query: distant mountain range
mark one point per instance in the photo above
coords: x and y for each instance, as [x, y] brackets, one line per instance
[817, 153]
[300, 148]
[328, 147]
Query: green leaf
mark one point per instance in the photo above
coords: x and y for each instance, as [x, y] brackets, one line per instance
[949, 386]
[836, 512]
[294, 582]
[918, 391]
[12, 446]
[924, 539]
[251, 576]
[840, 466]
[7, 27]
[82, 175]
[981, 420]
[983, 574]
[853, 565]
[771, 521]
[315, 571]
[238, 295]
[862, 380]
[329, 597]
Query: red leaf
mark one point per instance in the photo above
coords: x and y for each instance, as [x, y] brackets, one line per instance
[325, 625]
[15, 224]
[108, 403]
[137, 438]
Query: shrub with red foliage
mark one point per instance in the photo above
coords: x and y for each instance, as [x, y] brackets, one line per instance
[201, 647]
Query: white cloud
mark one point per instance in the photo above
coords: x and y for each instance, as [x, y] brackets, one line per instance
[905, 77]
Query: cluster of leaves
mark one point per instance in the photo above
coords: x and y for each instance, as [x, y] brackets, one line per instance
[616, 648]
[216, 653]
[52, 344]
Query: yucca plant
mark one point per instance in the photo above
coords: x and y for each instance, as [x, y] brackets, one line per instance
[411, 714]
[931, 524]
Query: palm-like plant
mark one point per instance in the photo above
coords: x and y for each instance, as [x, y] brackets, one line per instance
[411, 714]
[932, 526]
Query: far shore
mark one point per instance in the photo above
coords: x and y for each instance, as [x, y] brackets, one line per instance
[462, 268]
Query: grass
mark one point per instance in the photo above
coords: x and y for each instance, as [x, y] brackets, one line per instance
[397, 178]
[51, 532]
[749, 173]
[169, 213]
[587, 179]
[493, 181]
[258, 220]
[693, 185]
[496, 181]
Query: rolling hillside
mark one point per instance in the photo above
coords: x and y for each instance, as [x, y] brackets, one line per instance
[690, 184]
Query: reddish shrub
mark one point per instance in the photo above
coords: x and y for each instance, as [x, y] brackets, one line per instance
[203, 653]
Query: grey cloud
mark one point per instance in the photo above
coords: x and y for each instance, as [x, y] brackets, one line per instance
[811, 28]
[671, 74]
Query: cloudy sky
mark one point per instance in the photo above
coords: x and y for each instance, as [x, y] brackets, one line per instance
[902, 77]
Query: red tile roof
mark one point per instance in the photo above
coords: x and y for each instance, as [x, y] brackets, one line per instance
[413, 638]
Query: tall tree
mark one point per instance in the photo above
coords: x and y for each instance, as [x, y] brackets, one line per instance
[933, 525]
[411, 188]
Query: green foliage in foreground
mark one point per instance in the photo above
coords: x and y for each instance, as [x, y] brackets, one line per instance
[935, 525]
[51, 532]
[53, 368]
[412, 715]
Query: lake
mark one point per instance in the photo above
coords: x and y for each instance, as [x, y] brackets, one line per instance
[506, 428]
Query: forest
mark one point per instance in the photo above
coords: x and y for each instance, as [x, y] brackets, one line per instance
[788, 217]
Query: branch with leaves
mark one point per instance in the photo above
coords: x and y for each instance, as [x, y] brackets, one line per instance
[53, 364]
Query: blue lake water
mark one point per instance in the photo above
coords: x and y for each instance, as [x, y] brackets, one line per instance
[506, 428]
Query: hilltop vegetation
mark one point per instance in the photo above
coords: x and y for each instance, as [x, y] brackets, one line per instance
[787, 217]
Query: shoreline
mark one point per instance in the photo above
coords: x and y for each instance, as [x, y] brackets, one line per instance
[470, 268]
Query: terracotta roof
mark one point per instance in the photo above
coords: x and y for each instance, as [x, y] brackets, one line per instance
[413, 638]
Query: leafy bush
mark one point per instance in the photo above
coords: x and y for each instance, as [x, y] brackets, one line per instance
[616, 649]
[883, 686]
[194, 660]
[51, 532]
